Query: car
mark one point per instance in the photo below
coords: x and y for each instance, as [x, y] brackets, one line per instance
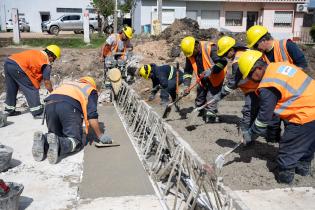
[73, 22]
[23, 25]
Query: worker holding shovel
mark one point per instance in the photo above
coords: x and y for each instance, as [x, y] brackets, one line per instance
[66, 109]
[202, 59]
[164, 77]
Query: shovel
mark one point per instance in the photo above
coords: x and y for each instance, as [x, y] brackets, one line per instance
[195, 113]
[219, 161]
[181, 96]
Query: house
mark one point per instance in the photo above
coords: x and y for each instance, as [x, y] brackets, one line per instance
[36, 11]
[283, 18]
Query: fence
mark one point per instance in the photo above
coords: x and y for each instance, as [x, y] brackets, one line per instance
[303, 37]
[176, 171]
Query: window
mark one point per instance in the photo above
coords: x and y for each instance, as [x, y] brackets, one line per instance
[192, 14]
[66, 18]
[308, 20]
[75, 17]
[69, 10]
[283, 19]
[91, 10]
[233, 18]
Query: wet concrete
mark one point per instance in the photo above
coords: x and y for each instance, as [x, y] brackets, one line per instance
[113, 171]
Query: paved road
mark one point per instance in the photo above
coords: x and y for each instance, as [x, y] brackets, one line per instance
[115, 171]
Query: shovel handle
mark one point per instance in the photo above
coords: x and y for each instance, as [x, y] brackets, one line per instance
[231, 150]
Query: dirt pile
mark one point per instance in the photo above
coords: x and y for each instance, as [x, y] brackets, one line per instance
[309, 52]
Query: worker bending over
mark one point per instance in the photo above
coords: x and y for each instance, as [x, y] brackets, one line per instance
[203, 61]
[284, 89]
[164, 78]
[228, 48]
[24, 71]
[66, 108]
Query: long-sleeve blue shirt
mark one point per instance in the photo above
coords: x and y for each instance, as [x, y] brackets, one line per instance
[160, 75]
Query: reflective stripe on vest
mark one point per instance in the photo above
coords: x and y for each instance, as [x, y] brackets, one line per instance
[280, 52]
[171, 73]
[297, 89]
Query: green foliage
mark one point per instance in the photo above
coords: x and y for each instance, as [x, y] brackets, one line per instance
[312, 32]
[96, 42]
[126, 7]
[105, 7]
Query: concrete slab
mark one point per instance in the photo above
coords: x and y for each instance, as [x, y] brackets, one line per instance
[113, 171]
[301, 198]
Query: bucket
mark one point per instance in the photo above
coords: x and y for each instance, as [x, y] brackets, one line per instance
[147, 29]
[11, 200]
[5, 157]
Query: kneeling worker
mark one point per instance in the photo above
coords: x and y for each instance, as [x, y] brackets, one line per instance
[284, 89]
[64, 109]
[163, 77]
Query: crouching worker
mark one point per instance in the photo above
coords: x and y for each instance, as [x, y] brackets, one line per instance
[66, 108]
[284, 89]
[163, 77]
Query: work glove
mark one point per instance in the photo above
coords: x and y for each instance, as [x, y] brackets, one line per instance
[248, 136]
[105, 139]
[186, 92]
[207, 73]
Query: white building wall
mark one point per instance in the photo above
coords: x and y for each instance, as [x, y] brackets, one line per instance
[32, 9]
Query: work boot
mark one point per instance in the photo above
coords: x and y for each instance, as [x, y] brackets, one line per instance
[286, 176]
[53, 150]
[38, 149]
[38, 117]
[303, 168]
[210, 117]
[13, 113]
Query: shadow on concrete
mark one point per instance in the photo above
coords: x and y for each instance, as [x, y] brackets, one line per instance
[14, 163]
[25, 202]
[256, 149]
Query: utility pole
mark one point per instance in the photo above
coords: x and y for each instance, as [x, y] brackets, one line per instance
[159, 13]
[86, 27]
[115, 17]
[16, 30]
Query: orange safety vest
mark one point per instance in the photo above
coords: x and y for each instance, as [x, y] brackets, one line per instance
[280, 52]
[80, 92]
[31, 62]
[215, 79]
[297, 103]
[246, 85]
[114, 47]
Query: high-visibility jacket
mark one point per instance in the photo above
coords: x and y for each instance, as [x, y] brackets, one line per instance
[114, 47]
[31, 62]
[280, 52]
[246, 85]
[78, 91]
[297, 103]
[215, 79]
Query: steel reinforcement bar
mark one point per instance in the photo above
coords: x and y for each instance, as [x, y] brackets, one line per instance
[175, 169]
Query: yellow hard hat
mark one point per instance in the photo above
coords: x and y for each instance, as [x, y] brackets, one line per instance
[54, 49]
[88, 80]
[225, 43]
[128, 32]
[188, 45]
[145, 71]
[247, 60]
[255, 33]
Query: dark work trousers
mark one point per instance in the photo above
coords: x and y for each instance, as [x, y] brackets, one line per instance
[66, 122]
[16, 79]
[170, 91]
[296, 144]
[250, 111]
[205, 94]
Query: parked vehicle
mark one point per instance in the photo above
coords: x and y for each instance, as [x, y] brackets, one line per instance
[73, 22]
[23, 25]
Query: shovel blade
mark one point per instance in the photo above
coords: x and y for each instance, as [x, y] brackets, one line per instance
[219, 161]
[192, 118]
[167, 111]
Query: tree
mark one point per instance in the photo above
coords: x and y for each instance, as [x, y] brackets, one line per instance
[126, 6]
[105, 7]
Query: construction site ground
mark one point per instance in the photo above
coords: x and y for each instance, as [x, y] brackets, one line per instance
[113, 178]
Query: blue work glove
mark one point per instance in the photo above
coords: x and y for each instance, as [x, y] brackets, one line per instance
[249, 136]
[105, 139]
[207, 73]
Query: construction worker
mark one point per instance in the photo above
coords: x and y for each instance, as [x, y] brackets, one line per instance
[258, 38]
[24, 71]
[228, 48]
[117, 43]
[203, 61]
[284, 89]
[66, 108]
[164, 78]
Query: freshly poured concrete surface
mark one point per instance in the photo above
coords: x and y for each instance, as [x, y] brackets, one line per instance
[113, 171]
